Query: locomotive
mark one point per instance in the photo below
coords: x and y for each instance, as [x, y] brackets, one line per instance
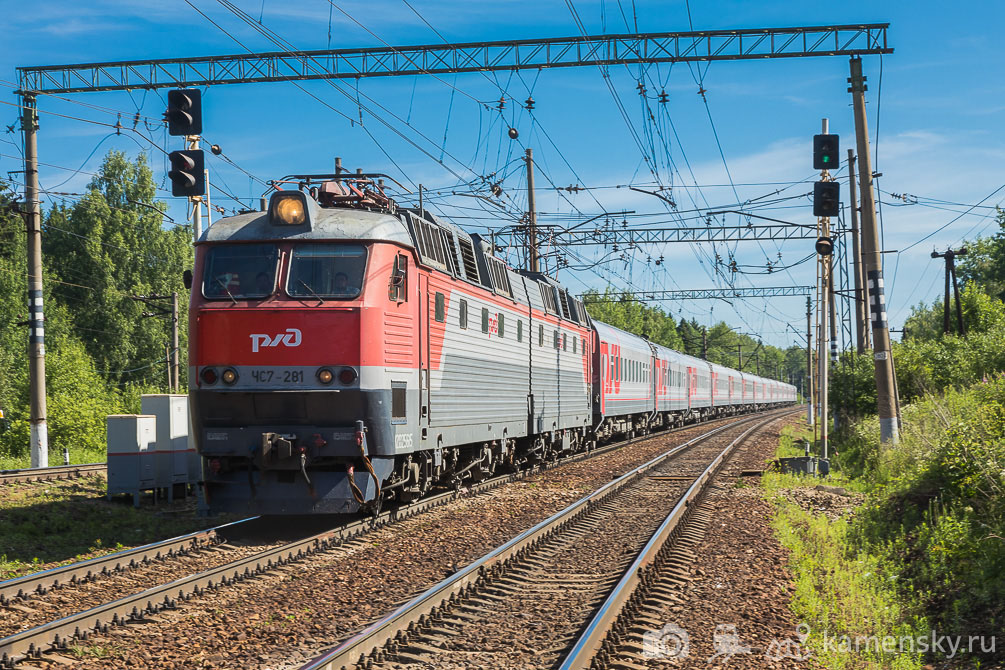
[345, 351]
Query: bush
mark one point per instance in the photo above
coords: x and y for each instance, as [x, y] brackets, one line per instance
[936, 514]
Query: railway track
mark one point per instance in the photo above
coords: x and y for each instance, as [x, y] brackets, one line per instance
[531, 597]
[53, 636]
[53, 473]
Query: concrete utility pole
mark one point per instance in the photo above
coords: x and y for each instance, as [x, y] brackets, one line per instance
[36, 315]
[889, 430]
[704, 343]
[861, 304]
[531, 215]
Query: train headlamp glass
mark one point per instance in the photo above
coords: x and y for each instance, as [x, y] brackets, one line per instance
[208, 376]
[347, 376]
[325, 376]
[289, 210]
[229, 376]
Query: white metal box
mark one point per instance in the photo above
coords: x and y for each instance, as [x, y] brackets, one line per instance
[131, 448]
[171, 411]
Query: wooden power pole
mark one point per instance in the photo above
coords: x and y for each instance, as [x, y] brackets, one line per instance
[886, 397]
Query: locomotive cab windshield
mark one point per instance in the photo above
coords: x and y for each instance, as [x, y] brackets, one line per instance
[327, 271]
[240, 271]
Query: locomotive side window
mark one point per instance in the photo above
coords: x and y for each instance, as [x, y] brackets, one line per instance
[441, 308]
[464, 314]
[519, 331]
[502, 324]
[540, 336]
[399, 407]
[235, 271]
[327, 271]
[397, 286]
[485, 319]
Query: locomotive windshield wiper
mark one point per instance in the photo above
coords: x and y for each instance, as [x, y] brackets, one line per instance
[304, 284]
[221, 283]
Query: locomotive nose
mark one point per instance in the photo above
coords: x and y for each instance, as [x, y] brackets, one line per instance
[255, 348]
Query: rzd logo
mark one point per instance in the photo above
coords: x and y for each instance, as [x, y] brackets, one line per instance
[291, 338]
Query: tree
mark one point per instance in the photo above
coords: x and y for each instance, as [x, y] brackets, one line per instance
[984, 262]
[78, 399]
[108, 247]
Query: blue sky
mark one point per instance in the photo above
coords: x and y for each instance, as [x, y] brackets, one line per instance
[937, 105]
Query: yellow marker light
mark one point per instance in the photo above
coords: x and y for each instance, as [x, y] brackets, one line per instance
[229, 376]
[290, 211]
[325, 376]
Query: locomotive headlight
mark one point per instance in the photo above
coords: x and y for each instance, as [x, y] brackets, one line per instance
[347, 376]
[209, 376]
[229, 376]
[325, 376]
[289, 210]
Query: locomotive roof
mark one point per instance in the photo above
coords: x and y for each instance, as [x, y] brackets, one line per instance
[330, 223]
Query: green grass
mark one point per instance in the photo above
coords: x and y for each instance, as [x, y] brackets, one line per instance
[77, 456]
[840, 591]
[50, 523]
[788, 446]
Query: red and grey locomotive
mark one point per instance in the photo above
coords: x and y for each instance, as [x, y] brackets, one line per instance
[346, 351]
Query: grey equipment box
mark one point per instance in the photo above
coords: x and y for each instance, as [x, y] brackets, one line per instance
[131, 449]
[172, 458]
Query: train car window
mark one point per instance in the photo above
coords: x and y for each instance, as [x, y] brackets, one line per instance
[502, 324]
[485, 319]
[441, 307]
[540, 336]
[575, 340]
[243, 271]
[463, 316]
[327, 271]
[565, 341]
[519, 331]
[399, 404]
[584, 345]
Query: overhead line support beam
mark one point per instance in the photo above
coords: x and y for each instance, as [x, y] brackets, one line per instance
[637, 236]
[503, 55]
[702, 294]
